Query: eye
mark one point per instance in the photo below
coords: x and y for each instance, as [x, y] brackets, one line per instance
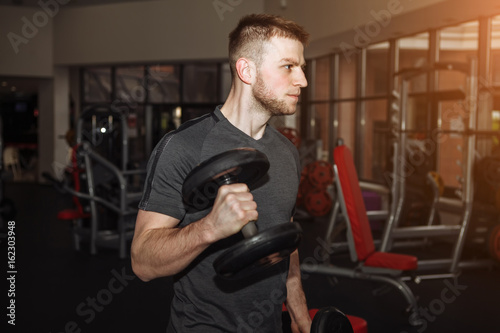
[288, 66]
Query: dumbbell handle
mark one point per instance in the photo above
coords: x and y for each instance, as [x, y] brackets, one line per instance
[249, 229]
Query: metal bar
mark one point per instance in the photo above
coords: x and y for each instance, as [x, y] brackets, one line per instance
[434, 95]
[393, 207]
[392, 88]
[377, 214]
[311, 123]
[399, 173]
[426, 231]
[450, 204]
[484, 51]
[419, 278]
[381, 189]
[433, 264]
[435, 199]
[441, 95]
[341, 200]
[331, 223]
[93, 208]
[334, 107]
[411, 72]
[360, 111]
[396, 282]
[468, 187]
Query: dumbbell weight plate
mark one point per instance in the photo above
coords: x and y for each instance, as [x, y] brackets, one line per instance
[318, 202]
[320, 174]
[244, 165]
[331, 320]
[254, 254]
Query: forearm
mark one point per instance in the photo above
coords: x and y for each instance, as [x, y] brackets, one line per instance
[296, 300]
[166, 251]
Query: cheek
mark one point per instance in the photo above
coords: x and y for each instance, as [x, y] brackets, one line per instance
[277, 82]
[274, 81]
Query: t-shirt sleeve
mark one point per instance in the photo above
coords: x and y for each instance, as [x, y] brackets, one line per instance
[167, 168]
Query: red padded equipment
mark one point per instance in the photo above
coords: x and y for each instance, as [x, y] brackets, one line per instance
[78, 212]
[360, 226]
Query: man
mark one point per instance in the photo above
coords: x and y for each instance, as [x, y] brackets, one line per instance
[266, 60]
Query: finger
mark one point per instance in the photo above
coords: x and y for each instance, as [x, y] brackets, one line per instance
[234, 198]
[248, 205]
[252, 215]
[238, 187]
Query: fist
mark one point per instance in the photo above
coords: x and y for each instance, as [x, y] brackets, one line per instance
[233, 208]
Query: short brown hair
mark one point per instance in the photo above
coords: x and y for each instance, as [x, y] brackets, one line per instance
[249, 36]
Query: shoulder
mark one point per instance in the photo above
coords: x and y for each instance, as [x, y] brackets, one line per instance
[179, 150]
[188, 138]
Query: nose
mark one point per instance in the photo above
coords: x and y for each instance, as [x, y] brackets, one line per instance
[300, 79]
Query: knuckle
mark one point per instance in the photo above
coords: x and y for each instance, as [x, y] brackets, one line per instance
[223, 190]
[230, 197]
[241, 215]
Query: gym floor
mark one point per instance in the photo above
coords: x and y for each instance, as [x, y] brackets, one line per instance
[60, 290]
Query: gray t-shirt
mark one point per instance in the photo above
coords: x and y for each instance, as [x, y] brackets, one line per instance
[203, 302]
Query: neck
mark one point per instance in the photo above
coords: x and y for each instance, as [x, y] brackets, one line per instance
[241, 111]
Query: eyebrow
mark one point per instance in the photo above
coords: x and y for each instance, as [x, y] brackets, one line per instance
[293, 62]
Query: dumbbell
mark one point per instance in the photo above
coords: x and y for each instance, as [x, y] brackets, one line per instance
[331, 320]
[259, 249]
[325, 320]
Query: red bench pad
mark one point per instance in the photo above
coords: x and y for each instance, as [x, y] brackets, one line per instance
[391, 260]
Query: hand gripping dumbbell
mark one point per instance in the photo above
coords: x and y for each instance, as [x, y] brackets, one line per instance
[260, 249]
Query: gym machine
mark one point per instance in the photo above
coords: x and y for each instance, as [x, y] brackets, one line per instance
[391, 269]
[105, 190]
[464, 204]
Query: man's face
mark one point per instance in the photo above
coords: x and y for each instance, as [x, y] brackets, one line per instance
[280, 76]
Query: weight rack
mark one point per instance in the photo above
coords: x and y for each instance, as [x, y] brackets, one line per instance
[462, 205]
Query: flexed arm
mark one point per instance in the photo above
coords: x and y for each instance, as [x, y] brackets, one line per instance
[160, 248]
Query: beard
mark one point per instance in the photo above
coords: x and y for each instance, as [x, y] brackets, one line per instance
[268, 102]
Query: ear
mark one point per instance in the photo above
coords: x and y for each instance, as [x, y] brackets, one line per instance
[245, 70]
